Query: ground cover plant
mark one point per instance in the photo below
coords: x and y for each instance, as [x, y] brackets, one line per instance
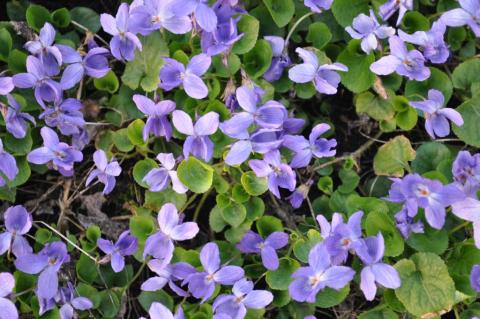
[236, 159]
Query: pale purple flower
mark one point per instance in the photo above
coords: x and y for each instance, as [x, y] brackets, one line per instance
[59, 155]
[280, 60]
[204, 15]
[202, 284]
[475, 278]
[369, 30]
[65, 115]
[253, 243]
[7, 307]
[226, 9]
[375, 271]
[171, 228]
[319, 274]
[468, 14]
[174, 74]
[157, 120]
[406, 63]
[437, 116]
[36, 77]
[197, 142]
[222, 38]
[159, 311]
[15, 120]
[315, 146]
[6, 85]
[8, 166]
[159, 178]
[126, 245]
[124, 42]
[243, 297]
[70, 303]
[406, 224]
[324, 77]
[469, 209]
[48, 263]
[431, 42]
[391, 6]
[278, 174]
[105, 171]
[300, 194]
[466, 172]
[44, 49]
[318, 5]
[17, 223]
[81, 139]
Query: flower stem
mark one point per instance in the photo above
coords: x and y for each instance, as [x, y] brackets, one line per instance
[295, 26]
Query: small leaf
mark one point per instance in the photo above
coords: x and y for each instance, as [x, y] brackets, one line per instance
[258, 60]
[345, 10]
[195, 175]
[234, 214]
[359, 78]
[375, 106]
[469, 132]
[268, 224]
[281, 278]
[108, 83]
[141, 169]
[61, 18]
[86, 17]
[6, 47]
[281, 10]
[135, 132]
[392, 158]
[254, 185]
[36, 16]
[249, 26]
[318, 34]
[329, 297]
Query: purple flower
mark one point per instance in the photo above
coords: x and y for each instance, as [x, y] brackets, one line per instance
[319, 273]
[222, 38]
[407, 63]
[278, 173]
[475, 278]
[466, 172]
[369, 30]
[17, 223]
[318, 5]
[375, 271]
[8, 166]
[159, 311]
[70, 303]
[81, 139]
[324, 77]
[126, 245]
[47, 262]
[36, 77]
[204, 15]
[15, 120]
[7, 307]
[197, 142]
[174, 74]
[42, 47]
[406, 224]
[468, 14]
[437, 116]
[468, 209]
[202, 284]
[157, 121]
[161, 244]
[280, 60]
[243, 297]
[6, 85]
[59, 156]
[313, 147]
[159, 178]
[105, 171]
[391, 6]
[300, 194]
[254, 243]
[124, 42]
[65, 115]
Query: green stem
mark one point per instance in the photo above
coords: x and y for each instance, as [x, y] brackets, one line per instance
[137, 274]
[200, 205]
[295, 26]
[458, 227]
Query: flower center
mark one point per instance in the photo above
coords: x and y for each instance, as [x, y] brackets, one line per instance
[315, 280]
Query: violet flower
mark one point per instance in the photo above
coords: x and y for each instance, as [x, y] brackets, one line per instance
[159, 311]
[280, 60]
[17, 223]
[59, 155]
[391, 6]
[437, 116]
[204, 15]
[6, 85]
[197, 142]
[406, 224]
[221, 39]
[15, 120]
[160, 245]
[7, 307]
[375, 271]
[124, 42]
[466, 172]
[313, 147]
[467, 14]
[47, 262]
[42, 47]
[126, 245]
[157, 121]
[174, 74]
[324, 77]
[318, 6]
[81, 139]
[159, 178]
[319, 274]
[369, 31]
[253, 243]
[468, 209]
[300, 194]
[278, 173]
[406, 63]
[70, 303]
[65, 115]
[243, 297]
[105, 171]
[475, 278]
[202, 284]
[8, 166]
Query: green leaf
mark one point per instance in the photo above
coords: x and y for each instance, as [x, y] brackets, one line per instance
[258, 60]
[233, 65]
[376, 222]
[427, 289]
[345, 10]
[392, 157]
[135, 132]
[61, 17]
[17, 61]
[407, 119]
[215, 219]
[359, 78]
[142, 226]
[234, 214]
[86, 17]
[6, 47]
[36, 16]
[249, 26]
[415, 21]
[20, 146]
[325, 184]
[155, 200]
[146, 298]
[349, 179]
[280, 279]
[466, 74]
[429, 156]
[378, 314]
[318, 34]
[141, 169]
[432, 240]
[469, 132]
[121, 140]
[268, 224]
[281, 10]
[417, 91]
[255, 208]
[196, 175]
[329, 297]
[254, 185]
[374, 106]
[108, 83]
[86, 269]
[143, 70]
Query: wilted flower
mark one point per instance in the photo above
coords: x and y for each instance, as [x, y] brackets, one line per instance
[65, 115]
[204, 15]
[253, 243]
[105, 171]
[318, 5]
[42, 47]
[298, 196]
[280, 60]
[126, 245]
[157, 121]
[159, 178]
[391, 6]
[6, 85]
[468, 14]
[15, 120]
[17, 223]
[8, 166]
[7, 307]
